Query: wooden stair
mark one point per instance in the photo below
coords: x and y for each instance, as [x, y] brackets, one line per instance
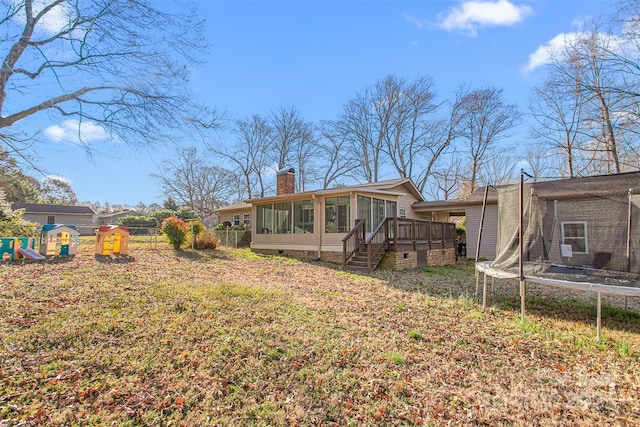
[358, 263]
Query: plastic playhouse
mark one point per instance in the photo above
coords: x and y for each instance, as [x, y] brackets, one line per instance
[17, 247]
[59, 239]
[112, 239]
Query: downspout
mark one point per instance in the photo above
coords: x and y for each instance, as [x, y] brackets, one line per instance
[319, 223]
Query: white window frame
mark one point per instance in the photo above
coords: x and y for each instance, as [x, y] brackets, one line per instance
[403, 212]
[236, 219]
[586, 239]
[246, 220]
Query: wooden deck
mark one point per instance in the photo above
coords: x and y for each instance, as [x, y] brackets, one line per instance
[363, 253]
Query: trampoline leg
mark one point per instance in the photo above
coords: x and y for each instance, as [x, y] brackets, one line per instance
[477, 283]
[484, 293]
[522, 292]
[599, 319]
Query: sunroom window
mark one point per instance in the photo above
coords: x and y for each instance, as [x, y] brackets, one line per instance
[337, 214]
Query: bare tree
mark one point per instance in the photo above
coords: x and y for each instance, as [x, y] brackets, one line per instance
[193, 182]
[592, 75]
[556, 108]
[444, 182]
[120, 66]
[249, 153]
[395, 122]
[337, 158]
[292, 142]
[485, 119]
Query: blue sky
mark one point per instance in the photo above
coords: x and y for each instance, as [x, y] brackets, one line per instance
[316, 54]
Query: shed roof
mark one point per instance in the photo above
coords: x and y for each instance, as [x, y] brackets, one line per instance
[590, 186]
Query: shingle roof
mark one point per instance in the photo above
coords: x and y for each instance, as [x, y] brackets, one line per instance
[53, 209]
[380, 187]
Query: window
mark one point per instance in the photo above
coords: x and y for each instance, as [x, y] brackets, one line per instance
[575, 234]
[51, 219]
[378, 211]
[264, 215]
[364, 210]
[236, 219]
[282, 217]
[246, 220]
[392, 209]
[337, 214]
[403, 213]
[303, 216]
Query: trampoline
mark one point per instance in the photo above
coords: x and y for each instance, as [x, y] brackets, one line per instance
[580, 234]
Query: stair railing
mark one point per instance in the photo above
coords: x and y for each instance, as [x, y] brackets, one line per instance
[354, 241]
[377, 244]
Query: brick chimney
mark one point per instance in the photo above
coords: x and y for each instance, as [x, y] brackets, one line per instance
[285, 182]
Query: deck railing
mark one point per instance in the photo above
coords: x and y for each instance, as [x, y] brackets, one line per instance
[393, 233]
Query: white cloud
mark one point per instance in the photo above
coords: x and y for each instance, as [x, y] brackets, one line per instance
[415, 21]
[53, 21]
[477, 13]
[544, 54]
[555, 47]
[76, 132]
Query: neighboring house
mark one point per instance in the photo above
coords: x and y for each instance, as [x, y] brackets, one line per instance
[80, 216]
[111, 218]
[313, 223]
[469, 207]
[236, 214]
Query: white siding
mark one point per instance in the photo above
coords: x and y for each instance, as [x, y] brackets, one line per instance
[489, 231]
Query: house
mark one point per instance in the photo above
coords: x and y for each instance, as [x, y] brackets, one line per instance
[235, 214]
[581, 222]
[79, 216]
[469, 207]
[334, 224]
[107, 218]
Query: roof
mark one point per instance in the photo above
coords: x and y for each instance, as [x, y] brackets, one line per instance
[473, 199]
[53, 209]
[583, 187]
[234, 207]
[382, 187]
[590, 186]
[118, 213]
[59, 227]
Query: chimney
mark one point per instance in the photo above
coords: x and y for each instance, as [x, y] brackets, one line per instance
[285, 182]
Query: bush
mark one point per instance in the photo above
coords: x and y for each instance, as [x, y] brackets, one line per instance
[12, 223]
[176, 231]
[207, 240]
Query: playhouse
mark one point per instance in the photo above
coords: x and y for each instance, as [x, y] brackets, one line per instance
[14, 247]
[59, 239]
[112, 239]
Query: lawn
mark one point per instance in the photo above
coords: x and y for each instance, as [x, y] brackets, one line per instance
[227, 337]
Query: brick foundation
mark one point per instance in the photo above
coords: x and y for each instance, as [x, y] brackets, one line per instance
[411, 259]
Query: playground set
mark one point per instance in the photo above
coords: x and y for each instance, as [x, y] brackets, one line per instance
[63, 240]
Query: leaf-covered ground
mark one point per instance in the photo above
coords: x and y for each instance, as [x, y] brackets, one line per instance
[229, 338]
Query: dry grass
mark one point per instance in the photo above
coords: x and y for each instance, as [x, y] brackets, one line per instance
[229, 338]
